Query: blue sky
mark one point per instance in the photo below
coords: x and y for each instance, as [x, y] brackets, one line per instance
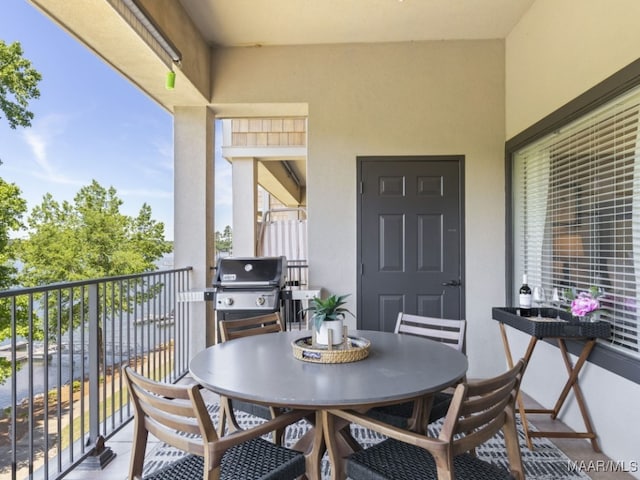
[90, 123]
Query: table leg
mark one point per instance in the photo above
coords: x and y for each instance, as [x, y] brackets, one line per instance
[312, 444]
[339, 443]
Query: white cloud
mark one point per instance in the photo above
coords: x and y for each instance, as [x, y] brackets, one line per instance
[38, 146]
[40, 137]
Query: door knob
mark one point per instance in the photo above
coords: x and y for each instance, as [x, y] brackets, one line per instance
[452, 283]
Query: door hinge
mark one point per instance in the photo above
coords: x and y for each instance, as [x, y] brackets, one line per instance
[361, 188]
[361, 269]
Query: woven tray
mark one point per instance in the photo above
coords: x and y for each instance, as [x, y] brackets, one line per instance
[355, 348]
[550, 327]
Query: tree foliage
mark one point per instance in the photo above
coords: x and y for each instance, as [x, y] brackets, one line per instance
[12, 209]
[224, 240]
[89, 238]
[18, 84]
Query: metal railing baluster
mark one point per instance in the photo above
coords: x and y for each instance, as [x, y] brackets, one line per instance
[14, 390]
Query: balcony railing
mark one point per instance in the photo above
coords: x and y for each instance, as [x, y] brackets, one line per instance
[67, 342]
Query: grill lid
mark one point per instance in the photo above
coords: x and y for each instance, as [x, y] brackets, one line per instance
[251, 272]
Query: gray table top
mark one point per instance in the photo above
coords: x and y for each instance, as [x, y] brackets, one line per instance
[263, 369]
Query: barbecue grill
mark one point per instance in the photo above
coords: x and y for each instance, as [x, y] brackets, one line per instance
[249, 286]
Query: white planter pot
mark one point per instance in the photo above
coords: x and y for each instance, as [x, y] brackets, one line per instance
[322, 334]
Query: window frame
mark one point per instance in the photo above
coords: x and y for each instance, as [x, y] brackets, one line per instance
[617, 84]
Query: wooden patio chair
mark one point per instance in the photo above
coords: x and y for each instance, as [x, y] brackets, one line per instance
[416, 415]
[177, 415]
[231, 330]
[477, 412]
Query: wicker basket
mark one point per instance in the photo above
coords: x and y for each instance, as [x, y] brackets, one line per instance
[353, 350]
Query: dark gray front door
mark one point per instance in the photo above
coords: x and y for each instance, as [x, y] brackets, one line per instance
[410, 239]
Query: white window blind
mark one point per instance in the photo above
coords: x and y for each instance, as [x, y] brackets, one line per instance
[576, 215]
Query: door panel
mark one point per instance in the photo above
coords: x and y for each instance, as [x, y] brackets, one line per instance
[391, 243]
[389, 306]
[430, 243]
[410, 239]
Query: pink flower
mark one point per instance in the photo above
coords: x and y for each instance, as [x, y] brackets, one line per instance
[584, 304]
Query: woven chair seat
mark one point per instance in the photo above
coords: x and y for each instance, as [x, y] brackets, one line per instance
[395, 460]
[398, 415]
[256, 459]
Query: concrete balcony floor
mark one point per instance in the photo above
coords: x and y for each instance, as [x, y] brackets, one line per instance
[576, 449]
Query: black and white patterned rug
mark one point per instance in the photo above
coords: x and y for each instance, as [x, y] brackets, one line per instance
[545, 462]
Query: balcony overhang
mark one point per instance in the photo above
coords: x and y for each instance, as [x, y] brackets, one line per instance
[98, 26]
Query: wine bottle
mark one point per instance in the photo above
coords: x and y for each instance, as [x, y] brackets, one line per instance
[525, 298]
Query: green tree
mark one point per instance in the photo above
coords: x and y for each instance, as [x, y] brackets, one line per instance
[89, 238]
[12, 209]
[18, 84]
[224, 240]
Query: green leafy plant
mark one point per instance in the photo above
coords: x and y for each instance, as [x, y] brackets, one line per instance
[330, 308]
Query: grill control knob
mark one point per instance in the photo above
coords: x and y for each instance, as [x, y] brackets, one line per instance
[260, 301]
[228, 301]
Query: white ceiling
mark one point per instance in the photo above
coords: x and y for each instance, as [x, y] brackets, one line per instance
[302, 22]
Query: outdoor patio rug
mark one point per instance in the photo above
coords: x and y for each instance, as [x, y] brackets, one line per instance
[546, 462]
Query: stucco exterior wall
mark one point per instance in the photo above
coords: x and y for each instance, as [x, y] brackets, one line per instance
[560, 49]
[556, 52]
[419, 98]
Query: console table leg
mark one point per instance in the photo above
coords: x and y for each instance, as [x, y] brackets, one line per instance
[572, 383]
[527, 357]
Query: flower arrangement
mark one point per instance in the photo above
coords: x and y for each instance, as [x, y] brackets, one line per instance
[585, 303]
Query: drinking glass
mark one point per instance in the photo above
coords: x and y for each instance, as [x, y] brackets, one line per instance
[539, 298]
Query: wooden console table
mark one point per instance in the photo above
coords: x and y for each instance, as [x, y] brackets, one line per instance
[561, 331]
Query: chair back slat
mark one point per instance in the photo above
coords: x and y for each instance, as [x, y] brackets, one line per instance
[157, 388]
[477, 420]
[448, 331]
[487, 401]
[245, 327]
[477, 437]
[484, 387]
[191, 445]
[174, 406]
[185, 424]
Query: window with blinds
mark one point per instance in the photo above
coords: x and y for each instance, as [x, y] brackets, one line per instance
[576, 213]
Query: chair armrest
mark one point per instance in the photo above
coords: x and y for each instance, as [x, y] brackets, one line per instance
[225, 443]
[407, 436]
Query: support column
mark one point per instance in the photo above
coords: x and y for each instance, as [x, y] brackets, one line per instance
[245, 206]
[194, 227]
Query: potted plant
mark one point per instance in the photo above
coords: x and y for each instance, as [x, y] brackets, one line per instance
[328, 314]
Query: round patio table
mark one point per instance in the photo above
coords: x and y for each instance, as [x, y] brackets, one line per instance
[262, 369]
